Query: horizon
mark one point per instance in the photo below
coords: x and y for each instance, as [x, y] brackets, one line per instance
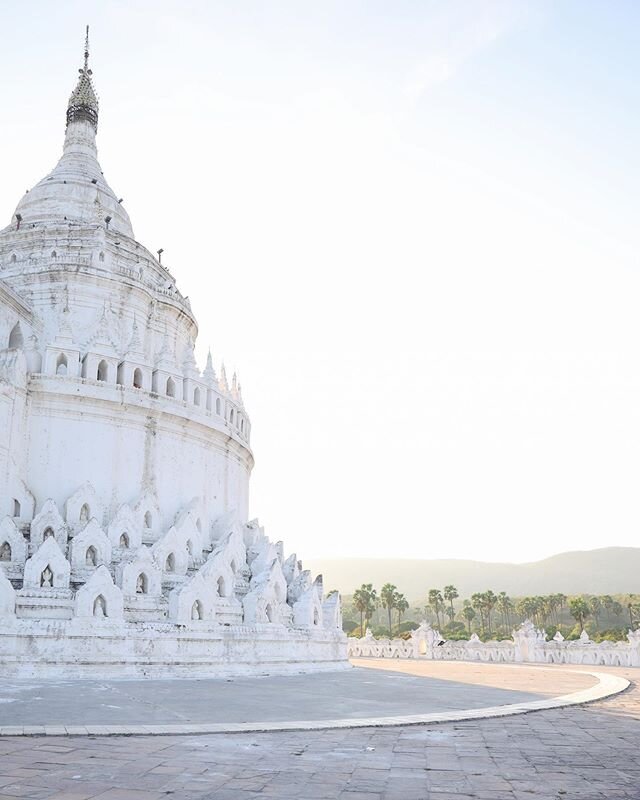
[479, 560]
[423, 215]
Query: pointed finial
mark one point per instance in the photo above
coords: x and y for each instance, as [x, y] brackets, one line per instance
[83, 103]
[223, 379]
[86, 50]
[209, 373]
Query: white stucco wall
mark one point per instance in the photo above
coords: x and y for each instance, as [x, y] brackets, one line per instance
[124, 466]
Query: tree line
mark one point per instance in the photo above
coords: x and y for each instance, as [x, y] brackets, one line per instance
[489, 612]
[366, 601]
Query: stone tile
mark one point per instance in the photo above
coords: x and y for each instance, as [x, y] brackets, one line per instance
[580, 753]
[128, 794]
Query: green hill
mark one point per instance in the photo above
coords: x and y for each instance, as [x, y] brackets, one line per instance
[609, 570]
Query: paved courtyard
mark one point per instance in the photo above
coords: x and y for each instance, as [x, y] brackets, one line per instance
[385, 689]
[583, 752]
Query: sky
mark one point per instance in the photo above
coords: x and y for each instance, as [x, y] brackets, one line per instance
[412, 229]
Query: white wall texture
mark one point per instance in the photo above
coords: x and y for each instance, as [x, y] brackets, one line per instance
[124, 468]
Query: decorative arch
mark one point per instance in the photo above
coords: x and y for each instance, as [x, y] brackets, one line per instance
[100, 606]
[62, 364]
[47, 568]
[142, 583]
[141, 566]
[16, 339]
[19, 503]
[171, 553]
[171, 387]
[13, 545]
[102, 372]
[82, 506]
[138, 378]
[308, 608]
[264, 595]
[189, 599]
[90, 548]
[99, 597]
[47, 523]
[147, 513]
[125, 524]
[196, 396]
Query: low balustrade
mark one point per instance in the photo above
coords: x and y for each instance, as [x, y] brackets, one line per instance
[527, 645]
[221, 416]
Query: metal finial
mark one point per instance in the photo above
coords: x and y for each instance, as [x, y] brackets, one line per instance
[86, 50]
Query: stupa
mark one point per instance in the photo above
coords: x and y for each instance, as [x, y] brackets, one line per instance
[125, 543]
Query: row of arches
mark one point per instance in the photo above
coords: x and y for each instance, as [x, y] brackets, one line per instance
[13, 258]
[104, 374]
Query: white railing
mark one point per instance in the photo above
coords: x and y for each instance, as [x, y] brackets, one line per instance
[526, 645]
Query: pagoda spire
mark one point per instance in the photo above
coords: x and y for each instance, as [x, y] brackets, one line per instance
[83, 103]
[209, 373]
[86, 50]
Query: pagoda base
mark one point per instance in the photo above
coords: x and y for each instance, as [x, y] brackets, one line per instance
[81, 649]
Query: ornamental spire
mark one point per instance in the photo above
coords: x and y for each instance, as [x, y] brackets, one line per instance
[83, 103]
[209, 373]
[86, 51]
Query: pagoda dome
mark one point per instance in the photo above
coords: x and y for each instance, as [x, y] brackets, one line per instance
[76, 191]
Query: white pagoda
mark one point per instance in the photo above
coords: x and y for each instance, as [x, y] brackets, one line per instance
[125, 544]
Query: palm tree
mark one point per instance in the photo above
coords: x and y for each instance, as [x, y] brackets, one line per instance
[579, 610]
[595, 607]
[616, 609]
[450, 593]
[402, 605]
[436, 602]
[360, 601]
[477, 603]
[504, 605]
[526, 608]
[468, 613]
[490, 600]
[388, 596]
[373, 604]
[630, 608]
[364, 601]
[561, 599]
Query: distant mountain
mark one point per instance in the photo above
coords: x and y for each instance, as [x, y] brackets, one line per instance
[609, 570]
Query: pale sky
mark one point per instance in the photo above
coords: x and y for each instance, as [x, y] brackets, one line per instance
[411, 226]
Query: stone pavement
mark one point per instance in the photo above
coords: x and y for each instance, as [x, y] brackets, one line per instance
[579, 753]
[389, 689]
